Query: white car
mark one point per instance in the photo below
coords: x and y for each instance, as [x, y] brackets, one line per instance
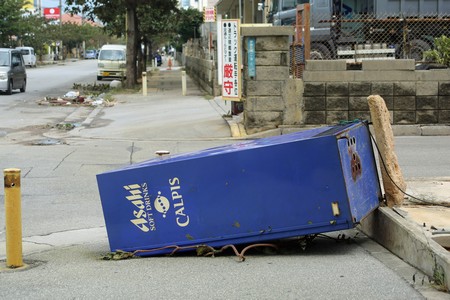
[90, 54]
[29, 57]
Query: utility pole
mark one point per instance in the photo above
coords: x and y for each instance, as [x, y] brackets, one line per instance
[40, 8]
[60, 30]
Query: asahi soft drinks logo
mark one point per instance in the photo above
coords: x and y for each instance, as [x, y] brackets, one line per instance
[146, 205]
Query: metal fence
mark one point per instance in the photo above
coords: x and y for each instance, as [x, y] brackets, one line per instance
[360, 37]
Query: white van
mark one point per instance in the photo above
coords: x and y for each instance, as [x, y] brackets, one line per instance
[28, 55]
[13, 74]
[112, 62]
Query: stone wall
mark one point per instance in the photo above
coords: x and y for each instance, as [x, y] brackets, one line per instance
[204, 73]
[270, 98]
[200, 67]
[332, 93]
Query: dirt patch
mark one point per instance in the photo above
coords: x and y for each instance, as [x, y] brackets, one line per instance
[431, 216]
[428, 203]
[28, 135]
[434, 191]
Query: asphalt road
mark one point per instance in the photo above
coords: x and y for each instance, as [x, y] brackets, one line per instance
[63, 224]
[424, 156]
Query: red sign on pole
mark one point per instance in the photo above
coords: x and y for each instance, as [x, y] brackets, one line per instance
[51, 12]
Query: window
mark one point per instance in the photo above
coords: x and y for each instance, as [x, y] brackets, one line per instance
[4, 59]
[16, 58]
[112, 55]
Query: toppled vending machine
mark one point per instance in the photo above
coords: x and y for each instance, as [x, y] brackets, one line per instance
[304, 183]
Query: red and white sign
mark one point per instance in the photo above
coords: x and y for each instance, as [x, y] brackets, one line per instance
[209, 14]
[51, 12]
[231, 72]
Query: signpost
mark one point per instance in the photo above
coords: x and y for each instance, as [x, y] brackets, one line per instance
[209, 16]
[251, 57]
[231, 66]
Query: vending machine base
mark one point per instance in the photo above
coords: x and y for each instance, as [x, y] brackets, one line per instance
[304, 183]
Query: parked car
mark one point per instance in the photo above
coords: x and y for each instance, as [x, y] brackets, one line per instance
[112, 62]
[28, 55]
[90, 54]
[13, 73]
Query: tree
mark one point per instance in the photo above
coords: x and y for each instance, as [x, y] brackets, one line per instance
[36, 34]
[188, 26]
[110, 12]
[156, 26]
[11, 21]
[30, 34]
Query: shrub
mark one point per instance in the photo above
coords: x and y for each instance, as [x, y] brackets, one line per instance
[441, 52]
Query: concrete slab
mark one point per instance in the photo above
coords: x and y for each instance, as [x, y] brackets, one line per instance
[326, 65]
[397, 64]
[411, 242]
[436, 130]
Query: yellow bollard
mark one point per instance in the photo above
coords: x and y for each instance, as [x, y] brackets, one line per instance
[13, 218]
[183, 83]
[144, 83]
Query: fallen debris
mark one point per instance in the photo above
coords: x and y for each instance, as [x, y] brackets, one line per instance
[47, 142]
[78, 100]
[86, 95]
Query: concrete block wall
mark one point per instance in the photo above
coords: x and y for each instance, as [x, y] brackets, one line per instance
[332, 93]
[271, 99]
[329, 91]
[204, 73]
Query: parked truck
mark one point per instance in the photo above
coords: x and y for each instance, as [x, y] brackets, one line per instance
[403, 28]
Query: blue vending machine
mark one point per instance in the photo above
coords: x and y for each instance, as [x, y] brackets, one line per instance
[298, 184]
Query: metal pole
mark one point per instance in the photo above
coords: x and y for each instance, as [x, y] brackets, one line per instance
[60, 29]
[209, 41]
[240, 11]
[307, 33]
[13, 218]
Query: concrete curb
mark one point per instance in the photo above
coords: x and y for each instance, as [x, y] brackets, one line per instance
[91, 116]
[423, 130]
[408, 241]
[398, 130]
[41, 243]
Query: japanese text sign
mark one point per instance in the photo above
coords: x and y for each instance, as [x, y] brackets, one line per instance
[251, 56]
[209, 14]
[231, 72]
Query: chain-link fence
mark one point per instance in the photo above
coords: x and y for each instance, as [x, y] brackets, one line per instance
[357, 37]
